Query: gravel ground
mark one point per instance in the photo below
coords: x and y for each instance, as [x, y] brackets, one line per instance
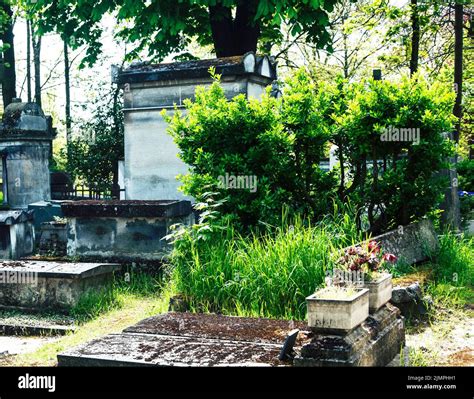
[18, 345]
[448, 341]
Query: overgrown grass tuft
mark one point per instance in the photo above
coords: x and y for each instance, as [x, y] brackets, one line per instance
[115, 295]
[453, 271]
[265, 275]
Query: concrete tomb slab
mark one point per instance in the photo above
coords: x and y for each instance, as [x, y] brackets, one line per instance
[164, 350]
[123, 230]
[56, 285]
[193, 339]
[250, 329]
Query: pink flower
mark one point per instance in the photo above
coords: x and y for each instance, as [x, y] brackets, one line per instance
[374, 247]
[390, 258]
[351, 251]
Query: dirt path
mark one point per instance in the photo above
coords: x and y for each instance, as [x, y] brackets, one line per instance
[45, 354]
[447, 341]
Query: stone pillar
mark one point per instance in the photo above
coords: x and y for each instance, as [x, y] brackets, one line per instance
[26, 136]
[151, 162]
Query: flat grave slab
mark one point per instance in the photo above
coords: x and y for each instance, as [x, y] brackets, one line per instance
[195, 339]
[213, 326]
[189, 339]
[129, 349]
[34, 324]
[31, 284]
[58, 269]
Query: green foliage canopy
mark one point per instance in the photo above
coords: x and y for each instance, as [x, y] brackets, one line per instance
[279, 142]
[164, 27]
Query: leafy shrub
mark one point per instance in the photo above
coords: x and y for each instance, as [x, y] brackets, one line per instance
[282, 141]
[396, 182]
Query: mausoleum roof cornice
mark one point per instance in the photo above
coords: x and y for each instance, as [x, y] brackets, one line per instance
[247, 64]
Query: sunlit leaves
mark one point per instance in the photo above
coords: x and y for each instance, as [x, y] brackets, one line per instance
[159, 26]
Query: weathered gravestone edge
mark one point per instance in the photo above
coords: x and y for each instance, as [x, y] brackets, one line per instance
[123, 229]
[40, 285]
[374, 343]
[411, 244]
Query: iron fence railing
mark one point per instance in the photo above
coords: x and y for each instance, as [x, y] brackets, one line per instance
[87, 192]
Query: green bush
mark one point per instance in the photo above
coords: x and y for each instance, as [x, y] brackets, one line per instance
[282, 141]
[395, 181]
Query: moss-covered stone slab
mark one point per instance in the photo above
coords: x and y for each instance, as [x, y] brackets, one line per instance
[130, 349]
[215, 326]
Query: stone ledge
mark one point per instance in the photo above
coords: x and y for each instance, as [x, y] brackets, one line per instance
[66, 270]
[9, 217]
[238, 65]
[127, 208]
[27, 331]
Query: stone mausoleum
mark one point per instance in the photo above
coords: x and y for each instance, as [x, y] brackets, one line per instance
[151, 161]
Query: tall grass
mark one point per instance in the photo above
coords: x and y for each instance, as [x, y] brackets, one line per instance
[259, 275]
[453, 271]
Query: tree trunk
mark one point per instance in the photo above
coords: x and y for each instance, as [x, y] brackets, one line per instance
[28, 59]
[67, 85]
[9, 77]
[246, 29]
[415, 38]
[222, 30]
[37, 66]
[346, 49]
[234, 36]
[458, 69]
